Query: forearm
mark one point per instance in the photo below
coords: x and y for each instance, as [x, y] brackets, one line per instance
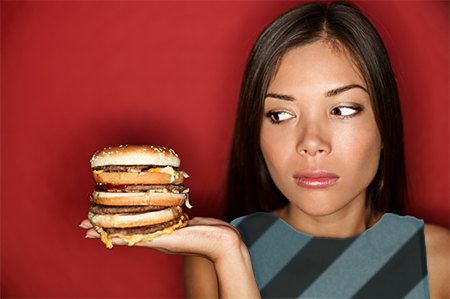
[235, 275]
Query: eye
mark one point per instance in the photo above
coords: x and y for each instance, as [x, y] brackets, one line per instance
[278, 116]
[346, 111]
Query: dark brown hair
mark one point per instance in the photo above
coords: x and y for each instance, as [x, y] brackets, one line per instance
[249, 187]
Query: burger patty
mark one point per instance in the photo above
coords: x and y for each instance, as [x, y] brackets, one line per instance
[125, 168]
[143, 230]
[103, 209]
[139, 188]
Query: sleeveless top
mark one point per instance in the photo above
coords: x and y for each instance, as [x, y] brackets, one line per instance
[386, 261]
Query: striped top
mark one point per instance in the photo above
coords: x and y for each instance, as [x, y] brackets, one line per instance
[386, 261]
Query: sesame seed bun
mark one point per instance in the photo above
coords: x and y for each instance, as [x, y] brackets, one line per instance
[135, 155]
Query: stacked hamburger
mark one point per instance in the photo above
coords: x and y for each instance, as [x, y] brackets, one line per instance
[139, 193]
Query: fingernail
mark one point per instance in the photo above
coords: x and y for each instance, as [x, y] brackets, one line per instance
[83, 226]
[89, 237]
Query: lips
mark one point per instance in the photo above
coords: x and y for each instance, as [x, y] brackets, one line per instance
[316, 179]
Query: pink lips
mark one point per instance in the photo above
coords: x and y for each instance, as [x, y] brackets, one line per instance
[316, 179]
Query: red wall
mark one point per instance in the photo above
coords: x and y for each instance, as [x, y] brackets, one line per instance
[79, 76]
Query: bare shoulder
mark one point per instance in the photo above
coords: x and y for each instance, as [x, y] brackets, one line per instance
[437, 241]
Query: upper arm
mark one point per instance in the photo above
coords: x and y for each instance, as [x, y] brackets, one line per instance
[200, 279]
[437, 241]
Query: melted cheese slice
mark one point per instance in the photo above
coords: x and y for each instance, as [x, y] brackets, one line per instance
[131, 240]
[156, 169]
[174, 174]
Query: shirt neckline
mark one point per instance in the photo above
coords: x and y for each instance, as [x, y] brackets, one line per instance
[367, 231]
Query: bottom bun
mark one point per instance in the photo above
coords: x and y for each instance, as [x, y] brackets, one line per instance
[131, 240]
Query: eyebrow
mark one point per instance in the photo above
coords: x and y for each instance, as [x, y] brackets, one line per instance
[331, 93]
[335, 92]
[280, 97]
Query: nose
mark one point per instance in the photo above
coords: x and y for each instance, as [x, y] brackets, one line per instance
[314, 139]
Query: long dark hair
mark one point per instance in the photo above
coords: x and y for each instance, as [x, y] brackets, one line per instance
[249, 187]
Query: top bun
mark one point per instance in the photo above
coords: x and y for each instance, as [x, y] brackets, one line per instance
[136, 155]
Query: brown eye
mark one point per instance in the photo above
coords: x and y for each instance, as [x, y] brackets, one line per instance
[275, 117]
[336, 111]
[345, 111]
[278, 117]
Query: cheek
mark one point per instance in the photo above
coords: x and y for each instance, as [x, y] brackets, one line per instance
[268, 144]
[273, 147]
[269, 150]
[362, 150]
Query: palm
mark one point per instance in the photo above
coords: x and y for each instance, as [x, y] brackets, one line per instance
[206, 237]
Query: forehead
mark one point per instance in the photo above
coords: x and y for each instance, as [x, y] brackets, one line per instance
[320, 65]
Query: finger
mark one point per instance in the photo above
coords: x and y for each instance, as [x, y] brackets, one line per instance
[118, 241]
[86, 224]
[91, 233]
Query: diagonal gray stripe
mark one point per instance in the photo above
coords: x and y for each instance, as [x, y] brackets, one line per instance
[305, 267]
[420, 291]
[275, 255]
[363, 259]
[399, 275]
[252, 227]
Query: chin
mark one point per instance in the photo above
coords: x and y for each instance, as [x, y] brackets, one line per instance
[325, 202]
[319, 212]
[319, 206]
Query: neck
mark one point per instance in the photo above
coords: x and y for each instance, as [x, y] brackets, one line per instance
[344, 223]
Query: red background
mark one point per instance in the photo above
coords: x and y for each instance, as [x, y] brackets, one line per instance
[80, 76]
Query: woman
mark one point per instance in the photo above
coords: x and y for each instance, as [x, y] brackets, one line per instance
[319, 123]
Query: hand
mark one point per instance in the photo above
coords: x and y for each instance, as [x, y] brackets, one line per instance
[209, 238]
[205, 237]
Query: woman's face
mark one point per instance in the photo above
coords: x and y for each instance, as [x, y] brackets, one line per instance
[319, 137]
